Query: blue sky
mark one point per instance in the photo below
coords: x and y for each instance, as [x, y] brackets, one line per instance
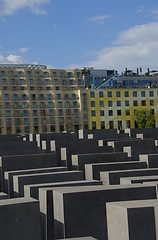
[106, 34]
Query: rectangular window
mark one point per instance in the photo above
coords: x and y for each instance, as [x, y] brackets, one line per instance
[127, 112]
[151, 93]
[102, 124]
[135, 103]
[151, 102]
[143, 103]
[118, 112]
[128, 124]
[119, 123]
[110, 112]
[126, 103]
[92, 94]
[93, 113]
[101, 103]
[93, 125]
[92, 103]
[126, 94]
[101, 94]
[142, 93]
[109, 103]
[109, 94]
[134, 93]
[101, 113]
[111, 124]
[118, 103]
[118, 94]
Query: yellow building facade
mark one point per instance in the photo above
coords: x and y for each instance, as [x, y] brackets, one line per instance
[115, 107]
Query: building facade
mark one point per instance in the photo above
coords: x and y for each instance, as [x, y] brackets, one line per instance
[36, 99]
[114, 102]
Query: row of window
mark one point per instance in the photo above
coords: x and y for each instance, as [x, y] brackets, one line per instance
[119, 112]
[126, 94]
[125, 103]
[16, 97]
[111, 124]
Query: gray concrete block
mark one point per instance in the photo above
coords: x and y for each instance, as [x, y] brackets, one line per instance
[33, 189]
[81, 212]
[140, 179]
[92, 171]
[132, 220]
[8, 177]
[79, 161]
[152, 159]
[46, 205]
[20, 180]
[25, 161]
[113, 177]
[20, 219]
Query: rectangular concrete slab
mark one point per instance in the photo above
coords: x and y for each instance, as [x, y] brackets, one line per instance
[139, 179]
[46, 205]
[20, 219]
[20, 180]
[113, 177]
[79, 212]
[8, 176]
[92, 171]
[79, 161]
[132, 220]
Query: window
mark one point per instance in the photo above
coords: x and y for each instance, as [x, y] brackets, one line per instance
[6, 97]
[92, 103]
[134, 93]
[92, 94]
[127, 112]
[118, 103]
[135, 103]
[59, 104]
[34, 113]
[25, 113]
[51, 112]
[50, 104]
[110, 112]
[60, 112]
[151, 93]
[76, 112]
[111, 124]
[101, 112]
[143, 103]
[71, 82]
[126, 103]
[102, 124]
[15, 97]
[58, 96]
[109, 103]
[26, 121]
[142, 93]
[74, 97]
[101, 103]
[128, 124]
[34, 105]
[109, 94]
[93, 113]
[49, 97]
[118, 94]
[75, 104]
[151, 102]
[101, 94]
[93, 125]
[118, 112]
[119, 123]
[126, 94]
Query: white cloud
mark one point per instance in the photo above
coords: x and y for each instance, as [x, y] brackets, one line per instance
[99, 19]
[9, 7]
[12, 58]
[23, 50]
[135, 47]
